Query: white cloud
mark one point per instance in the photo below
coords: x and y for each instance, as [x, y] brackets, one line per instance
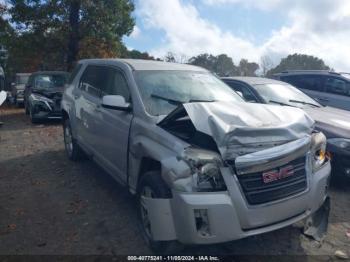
[135, 33]
[189, 34]
[314, 27]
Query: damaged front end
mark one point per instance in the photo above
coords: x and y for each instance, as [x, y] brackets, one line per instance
[265, 158]
[45, 105]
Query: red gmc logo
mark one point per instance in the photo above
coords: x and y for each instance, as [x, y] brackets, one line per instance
[275, 175]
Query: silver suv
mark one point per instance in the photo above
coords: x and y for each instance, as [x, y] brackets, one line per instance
[206, 166]
[329, 88]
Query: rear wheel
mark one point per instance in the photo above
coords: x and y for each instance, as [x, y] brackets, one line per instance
[152, 186]
[72, 149]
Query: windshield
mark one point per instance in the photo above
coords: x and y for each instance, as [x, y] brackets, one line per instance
[50, 81]
[22, 80]
[285, 94]
[163, 91]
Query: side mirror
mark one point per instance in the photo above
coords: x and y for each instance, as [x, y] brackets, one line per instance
[239, 93]
[116, 103]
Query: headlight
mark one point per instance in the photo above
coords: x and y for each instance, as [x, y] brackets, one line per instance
[205, 166]
[318, 149]
[342, 143]
[37, 97]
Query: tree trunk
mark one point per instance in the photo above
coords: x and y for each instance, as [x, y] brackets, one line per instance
[73, 44]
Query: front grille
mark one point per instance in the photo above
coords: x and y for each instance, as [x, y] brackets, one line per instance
[258, 192]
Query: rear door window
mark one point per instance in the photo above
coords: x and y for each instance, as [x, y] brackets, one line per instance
[337, 86]
[93, 79]
[309, 82]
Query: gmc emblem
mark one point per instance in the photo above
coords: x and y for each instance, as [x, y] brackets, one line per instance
[275, 175]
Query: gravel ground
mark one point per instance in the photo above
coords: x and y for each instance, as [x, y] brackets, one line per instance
[51, 206]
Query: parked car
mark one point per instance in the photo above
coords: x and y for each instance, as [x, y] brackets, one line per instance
[329, 88]
[333, 122]
[206, 166]
[2, 79]
[17, 88]
[43, 95]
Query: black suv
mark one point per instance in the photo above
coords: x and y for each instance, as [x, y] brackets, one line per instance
[329, 88]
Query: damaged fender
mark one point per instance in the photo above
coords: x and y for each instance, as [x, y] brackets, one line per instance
[316, 225]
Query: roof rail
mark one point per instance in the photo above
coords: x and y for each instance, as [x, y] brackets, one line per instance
[311, 71]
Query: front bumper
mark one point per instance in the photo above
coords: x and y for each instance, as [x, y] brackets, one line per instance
[227, 216]
[42, 110]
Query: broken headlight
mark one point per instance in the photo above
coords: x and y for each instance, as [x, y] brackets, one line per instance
[205, 166]
[319, 153]
[41, 98]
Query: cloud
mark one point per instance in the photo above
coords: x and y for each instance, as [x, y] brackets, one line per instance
[135, 33]
[189, 34]
[314, 27]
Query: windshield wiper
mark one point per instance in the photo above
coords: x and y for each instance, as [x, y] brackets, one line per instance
[169, 100]
[303, 103]
[177, 102]
[280, 103]
[201, 101]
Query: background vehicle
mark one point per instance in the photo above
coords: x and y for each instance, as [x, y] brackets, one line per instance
[181, 140]
[2, 79]
[329, 88]
[17, 88]
[333, 122]
[43, 95]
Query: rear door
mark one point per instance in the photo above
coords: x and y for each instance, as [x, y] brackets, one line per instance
[312, 85]
[114, 126]
[87, 102]
[338, 92]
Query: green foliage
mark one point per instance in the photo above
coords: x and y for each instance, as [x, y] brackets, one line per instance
[299, 62]
[53, 34]
[223, 65]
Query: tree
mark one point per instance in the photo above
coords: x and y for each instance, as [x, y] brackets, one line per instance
[135, 54]
[175, 58]
[247, 69]
[299, 62]
[73, 29]
[222, 65]
[266, 64]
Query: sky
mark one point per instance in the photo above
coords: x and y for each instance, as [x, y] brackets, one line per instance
[249, 29]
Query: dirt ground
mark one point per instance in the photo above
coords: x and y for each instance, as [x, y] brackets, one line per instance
[49, 205]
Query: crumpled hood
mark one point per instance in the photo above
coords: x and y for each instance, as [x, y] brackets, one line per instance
[52, 93]
[333, 122]
[243, 128]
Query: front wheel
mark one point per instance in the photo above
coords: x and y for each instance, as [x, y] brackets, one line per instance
[26, 108]
[72, 149]
[33, 119]
[152, 185]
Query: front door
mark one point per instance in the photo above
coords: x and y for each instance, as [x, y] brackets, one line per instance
[115, 126]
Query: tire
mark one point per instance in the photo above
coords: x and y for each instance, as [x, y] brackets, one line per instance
[72, 149]
[33, 119]
[26, 108]
[153, 181]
